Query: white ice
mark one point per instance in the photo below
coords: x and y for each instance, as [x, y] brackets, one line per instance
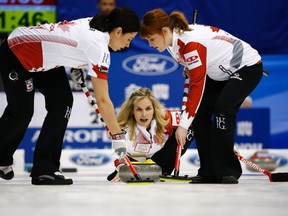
[91, 194]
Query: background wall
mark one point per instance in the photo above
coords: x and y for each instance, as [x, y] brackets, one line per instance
[263, 24]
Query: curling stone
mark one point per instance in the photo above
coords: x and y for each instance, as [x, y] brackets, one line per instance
[264, 160]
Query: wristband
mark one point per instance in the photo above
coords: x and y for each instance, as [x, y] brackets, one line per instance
[118, 136]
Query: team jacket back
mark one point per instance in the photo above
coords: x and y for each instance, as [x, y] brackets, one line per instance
[72, 44]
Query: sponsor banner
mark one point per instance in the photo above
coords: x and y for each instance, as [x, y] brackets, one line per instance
[131, 70]
[88, 160]
[85, 130]
[82, 115]
[75, 138]
[149, 64]
[253, 128]
[100, 160]
[275, 158]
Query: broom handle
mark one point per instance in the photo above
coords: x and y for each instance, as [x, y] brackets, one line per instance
[177, 161]
[253, 165]
[179, 147]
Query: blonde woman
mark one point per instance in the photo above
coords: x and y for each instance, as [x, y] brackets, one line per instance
[149, 131]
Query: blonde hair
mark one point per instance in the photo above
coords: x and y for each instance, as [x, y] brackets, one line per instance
[154, 20]
[126, 118]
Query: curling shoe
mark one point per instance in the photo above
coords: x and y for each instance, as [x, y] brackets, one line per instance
[6, 172]
[229, 180]
[56, 178]
[214, 180]
[112, 175]
[204, 180]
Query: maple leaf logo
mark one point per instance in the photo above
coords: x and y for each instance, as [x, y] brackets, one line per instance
[214, 29]
[65, 25]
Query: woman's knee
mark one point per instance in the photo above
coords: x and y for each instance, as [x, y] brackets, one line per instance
[23, 113]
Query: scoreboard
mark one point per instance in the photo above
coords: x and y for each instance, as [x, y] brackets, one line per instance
[16, 13]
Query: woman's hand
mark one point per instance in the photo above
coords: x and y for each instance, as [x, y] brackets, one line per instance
[181, 134]
[185, 73]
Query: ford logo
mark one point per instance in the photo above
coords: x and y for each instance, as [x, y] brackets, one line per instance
[149, 64]
[90, 159]
[194, 159]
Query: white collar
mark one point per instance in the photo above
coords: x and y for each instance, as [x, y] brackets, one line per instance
[173, 49]
[148, 134]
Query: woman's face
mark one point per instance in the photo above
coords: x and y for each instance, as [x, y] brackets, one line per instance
[157, 41]
[143, 112]
[119, 41]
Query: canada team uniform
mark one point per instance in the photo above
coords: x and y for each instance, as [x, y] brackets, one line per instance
[34, 58]
[76, 44]
[146, 144]
[223, 70]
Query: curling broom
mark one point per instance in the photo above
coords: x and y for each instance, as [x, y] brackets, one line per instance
[273, 177]
[175, 176]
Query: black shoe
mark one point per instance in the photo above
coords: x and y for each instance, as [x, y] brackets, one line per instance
[6, 173]
[204, 180]
[214, 180]
[229, 180]
[51, 179]
[112, 175]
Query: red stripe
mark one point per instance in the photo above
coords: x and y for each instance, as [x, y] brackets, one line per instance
[30, 55]
[19, 40]
[28, 49]
[197, 76]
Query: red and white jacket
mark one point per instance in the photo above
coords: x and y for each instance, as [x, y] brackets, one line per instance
[208, 51]
[71, 44]
[146, 143]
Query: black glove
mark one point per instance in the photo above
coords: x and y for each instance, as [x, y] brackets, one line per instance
[78, 76]
[117, 164]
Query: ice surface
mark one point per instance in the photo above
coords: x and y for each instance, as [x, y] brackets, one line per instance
[91, 194]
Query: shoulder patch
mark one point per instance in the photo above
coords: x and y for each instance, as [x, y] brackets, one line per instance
[103, 69]
[192, 59]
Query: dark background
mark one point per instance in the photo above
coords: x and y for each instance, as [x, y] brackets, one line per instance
[262, 23]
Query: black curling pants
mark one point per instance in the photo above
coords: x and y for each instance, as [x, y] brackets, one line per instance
[166, 156]
[54, 86]
[215, 122]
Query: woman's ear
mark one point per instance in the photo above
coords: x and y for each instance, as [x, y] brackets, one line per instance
[118, 31]
[164, 31]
